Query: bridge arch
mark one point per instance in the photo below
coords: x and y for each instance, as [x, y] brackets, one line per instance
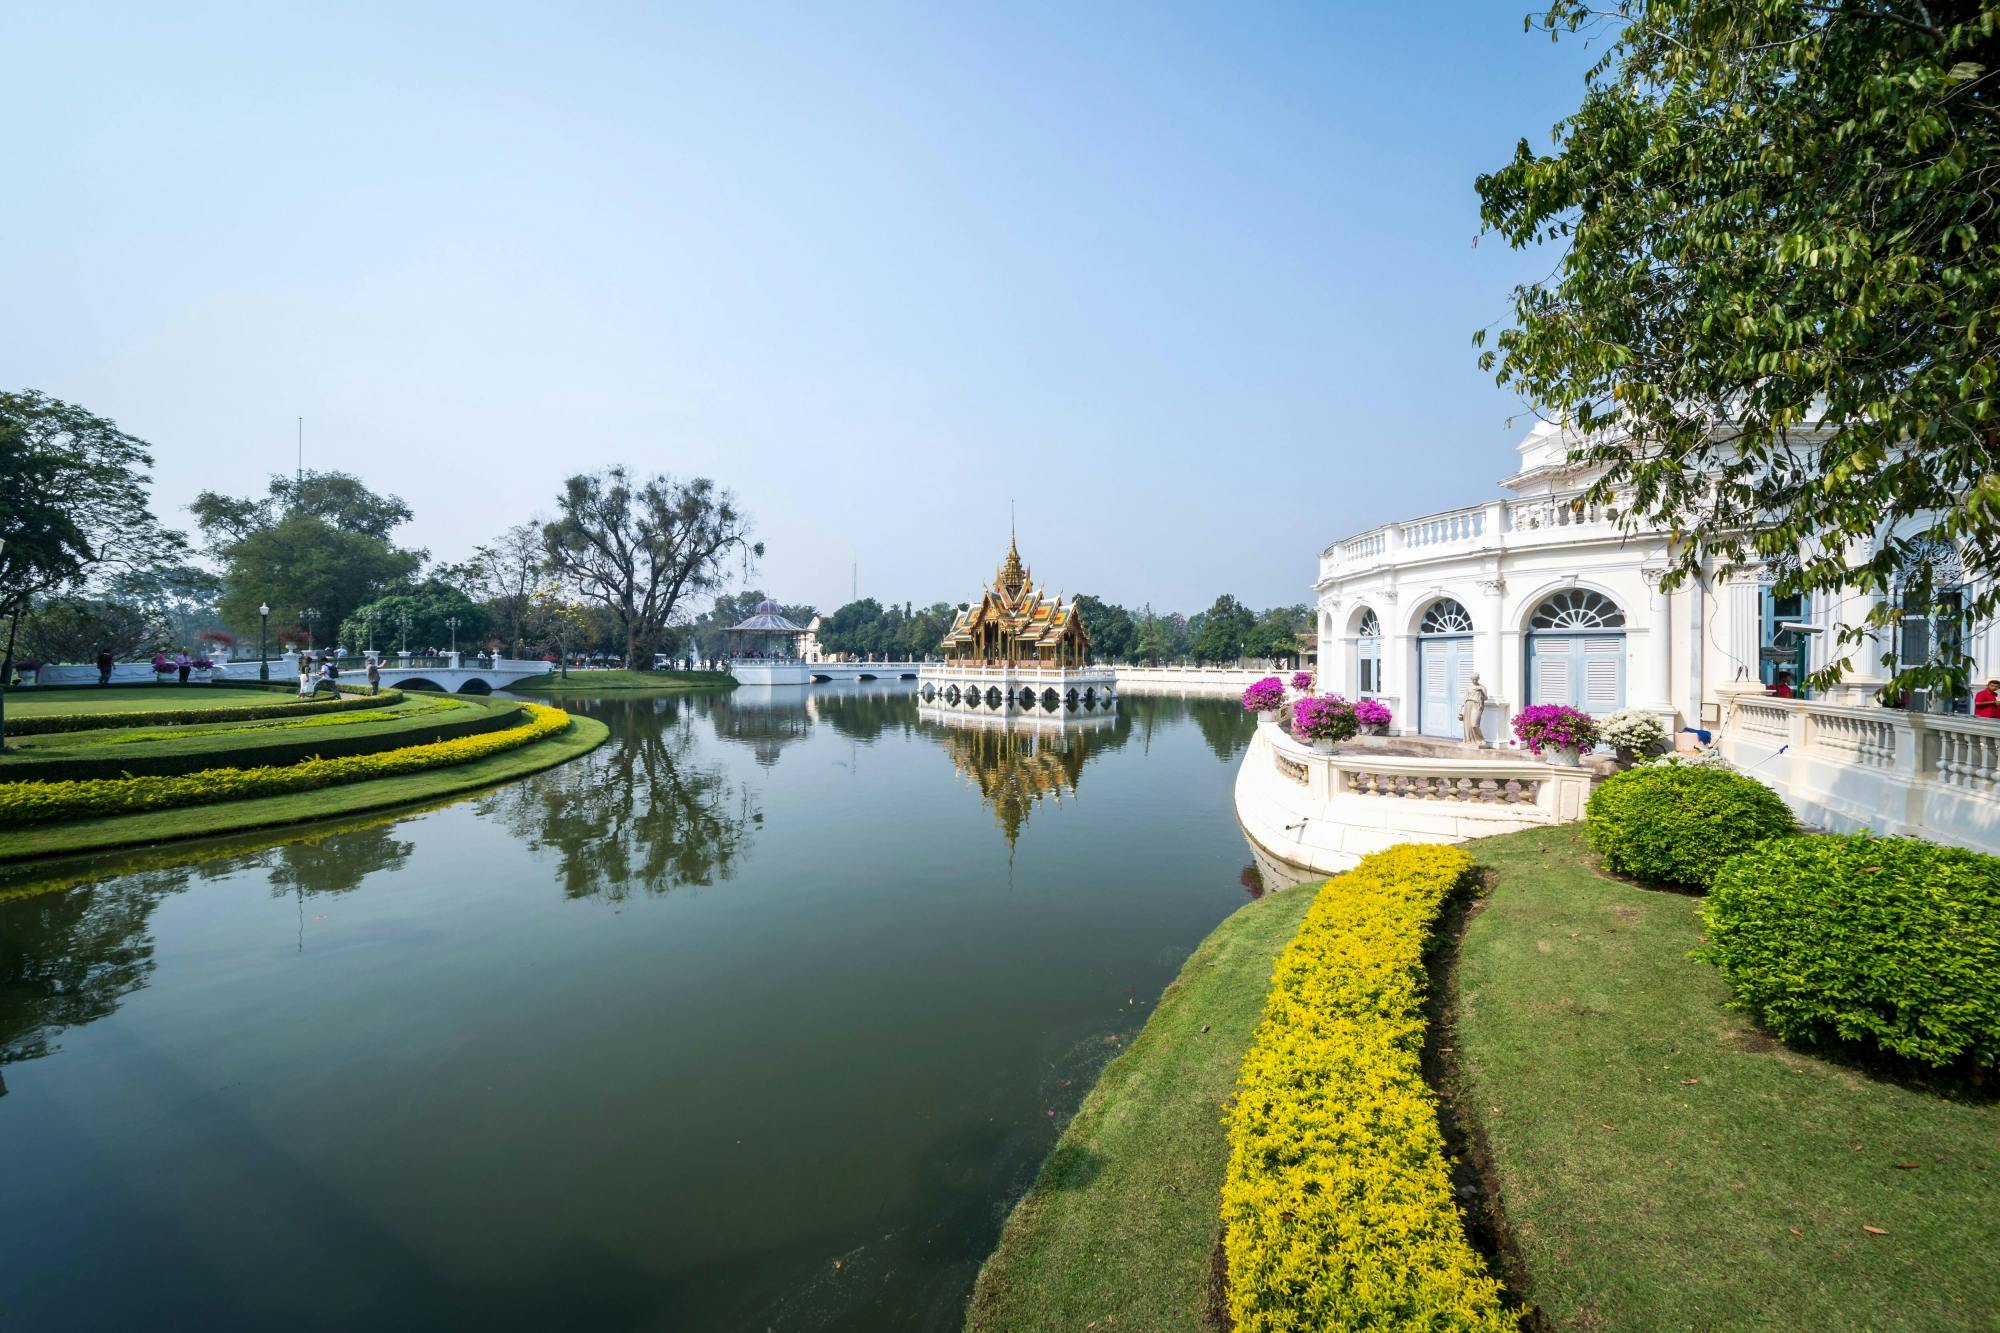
[474, 685]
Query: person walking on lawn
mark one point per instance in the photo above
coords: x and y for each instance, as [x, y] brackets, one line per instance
[105, 661]
[374, 675]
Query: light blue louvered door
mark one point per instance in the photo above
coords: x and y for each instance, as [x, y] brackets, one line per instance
[1444, 666]
[1585, 671]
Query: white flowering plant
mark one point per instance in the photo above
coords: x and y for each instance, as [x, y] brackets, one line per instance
[1633, 729]
[1700, 759]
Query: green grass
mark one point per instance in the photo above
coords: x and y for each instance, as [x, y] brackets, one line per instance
[1122, 1222]
[155, 749]
[1663, 1164]
[38, 701]
[581, 684]
[583, 735]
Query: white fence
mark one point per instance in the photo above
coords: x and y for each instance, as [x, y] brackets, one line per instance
[1926, 775]
[1191, 679]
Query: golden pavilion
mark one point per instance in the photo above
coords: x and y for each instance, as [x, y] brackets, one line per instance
[1016, 622]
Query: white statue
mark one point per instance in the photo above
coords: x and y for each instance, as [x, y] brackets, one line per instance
[1472, 710]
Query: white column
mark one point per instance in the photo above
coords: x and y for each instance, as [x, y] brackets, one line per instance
[1490, 639]
[1656, 654]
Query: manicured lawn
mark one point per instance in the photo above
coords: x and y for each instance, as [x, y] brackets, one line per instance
[581, 684]
[247, 744]
[1121, 1225]
[1663, 1164]
[37, 701]
[583, 735]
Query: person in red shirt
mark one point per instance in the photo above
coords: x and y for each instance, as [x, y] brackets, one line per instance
[1783, 689]
[1986, 703]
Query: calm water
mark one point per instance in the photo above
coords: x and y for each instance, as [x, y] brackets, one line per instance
[757, 1018]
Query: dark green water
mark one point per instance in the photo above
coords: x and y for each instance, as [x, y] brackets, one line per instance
[756, 1018]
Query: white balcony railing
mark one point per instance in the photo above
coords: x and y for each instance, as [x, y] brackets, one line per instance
[1500, 523]
[1926, 775]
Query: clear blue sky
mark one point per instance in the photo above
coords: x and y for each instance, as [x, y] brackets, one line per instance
[1194, 285]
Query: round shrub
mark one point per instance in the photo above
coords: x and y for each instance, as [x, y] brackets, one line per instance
[1673, 824]
[1886, 942]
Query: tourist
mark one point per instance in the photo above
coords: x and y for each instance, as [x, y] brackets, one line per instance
[1783, 688]
[160, 663]
[105, 661]
[325, 680]
[374, 675]
[183, 664]
[1986, 703]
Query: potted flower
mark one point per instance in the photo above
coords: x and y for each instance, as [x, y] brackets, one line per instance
[1372, 716]
[1325, 720]
[1302, 681]
[1265, 698]
[205, 667]
[1564, 733]
[163, 667]
[1632, 732]
[221, 643]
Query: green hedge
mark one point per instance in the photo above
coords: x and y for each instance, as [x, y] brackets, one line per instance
[24, 803]
[258, 749]
[1338, 1210]
[51, 723]
[1676, 824]
[1888, 943]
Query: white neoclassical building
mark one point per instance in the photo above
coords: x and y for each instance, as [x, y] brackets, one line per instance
[1552, 600]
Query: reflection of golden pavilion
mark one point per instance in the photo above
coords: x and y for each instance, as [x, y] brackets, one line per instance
[1019, 761]
[1017, 649]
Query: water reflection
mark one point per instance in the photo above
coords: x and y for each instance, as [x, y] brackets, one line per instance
[646, 812]
[69, 958]
[1018, 760]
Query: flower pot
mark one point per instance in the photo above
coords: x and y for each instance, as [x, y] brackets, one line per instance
[1325, 745]
[1627, 756]
[1562, 756]
[1268, 719]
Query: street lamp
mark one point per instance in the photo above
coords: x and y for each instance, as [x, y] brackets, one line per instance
[452, 623]
[263, 625]
[308, 616]
[403, 634]
[369, 621]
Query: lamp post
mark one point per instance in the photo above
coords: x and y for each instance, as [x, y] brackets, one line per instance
[263, 625]
[307, 616]
[403, 634]
[451, 622]
[9, 665]
[369, 621]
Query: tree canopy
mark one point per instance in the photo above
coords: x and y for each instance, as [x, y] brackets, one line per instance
[426, 608]
[1110, 627]
[337, 499]
[1779, 263]
[73, 500]
[639, 548]
[303, 563]
[1224, 631]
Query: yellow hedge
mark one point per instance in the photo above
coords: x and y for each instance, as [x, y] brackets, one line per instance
[44, 802]
[1337, 1209]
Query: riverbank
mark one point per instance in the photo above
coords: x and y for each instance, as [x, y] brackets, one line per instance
[581, 684]
[1121, 1225]
[88, 835]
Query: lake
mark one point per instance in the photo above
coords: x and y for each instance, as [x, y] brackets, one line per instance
[758, 1017]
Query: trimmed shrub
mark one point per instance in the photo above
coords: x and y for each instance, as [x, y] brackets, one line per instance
[49, 723]
[1338, 1209]
[1677, 824]
[1890, 943]
[46, 802]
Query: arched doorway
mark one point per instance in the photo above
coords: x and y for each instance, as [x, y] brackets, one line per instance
[1444, 665]
[1576, 652]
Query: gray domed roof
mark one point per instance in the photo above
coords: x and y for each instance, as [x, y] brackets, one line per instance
[769, 618]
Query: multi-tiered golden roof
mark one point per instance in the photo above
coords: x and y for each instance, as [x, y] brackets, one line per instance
[1014, 621]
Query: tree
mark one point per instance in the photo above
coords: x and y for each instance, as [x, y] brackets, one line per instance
[319, 541]
[638, 550]
[1778, 277]
[854, 629]
[72, 629]
[924, 631]
[503, 574]
[73, 504]
[1276, 633]
[1225, 627]
[1112, 633]
[563, 626]
[427, 607]
[1153, 637]
[180, 597]
[338, 499]
[302, 562]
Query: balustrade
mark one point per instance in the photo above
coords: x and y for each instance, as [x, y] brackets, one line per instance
[1458, 526]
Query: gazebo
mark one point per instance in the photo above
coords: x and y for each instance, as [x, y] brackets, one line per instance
[772, 637]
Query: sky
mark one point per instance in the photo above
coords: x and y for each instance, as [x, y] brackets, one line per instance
[1193, 287]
